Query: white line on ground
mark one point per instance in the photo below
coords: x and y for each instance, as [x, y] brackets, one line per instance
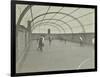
[83, 62]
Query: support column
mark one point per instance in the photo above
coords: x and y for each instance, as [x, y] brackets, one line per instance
[49, 31]
[17, 49]
[29, 30]
[25, 39]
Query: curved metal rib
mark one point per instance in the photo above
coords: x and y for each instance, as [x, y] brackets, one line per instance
[41, 24]
[56, 20]
[50, 23]
[23, 13]
[63, 14]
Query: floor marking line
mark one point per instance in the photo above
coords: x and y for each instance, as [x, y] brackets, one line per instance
[83, 62]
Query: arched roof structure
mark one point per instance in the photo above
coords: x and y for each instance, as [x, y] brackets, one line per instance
[77, 20]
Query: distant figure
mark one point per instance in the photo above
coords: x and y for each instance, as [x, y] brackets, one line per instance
[81, 40]
[50, 40]
[37, 40]
[93, 41]
[65, 41]
[41, 43]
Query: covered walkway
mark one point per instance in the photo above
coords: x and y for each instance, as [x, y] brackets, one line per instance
[72, 30]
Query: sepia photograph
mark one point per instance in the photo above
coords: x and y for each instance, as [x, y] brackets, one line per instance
[54, 37]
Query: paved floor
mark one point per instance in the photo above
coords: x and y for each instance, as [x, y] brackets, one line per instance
[57, 56]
